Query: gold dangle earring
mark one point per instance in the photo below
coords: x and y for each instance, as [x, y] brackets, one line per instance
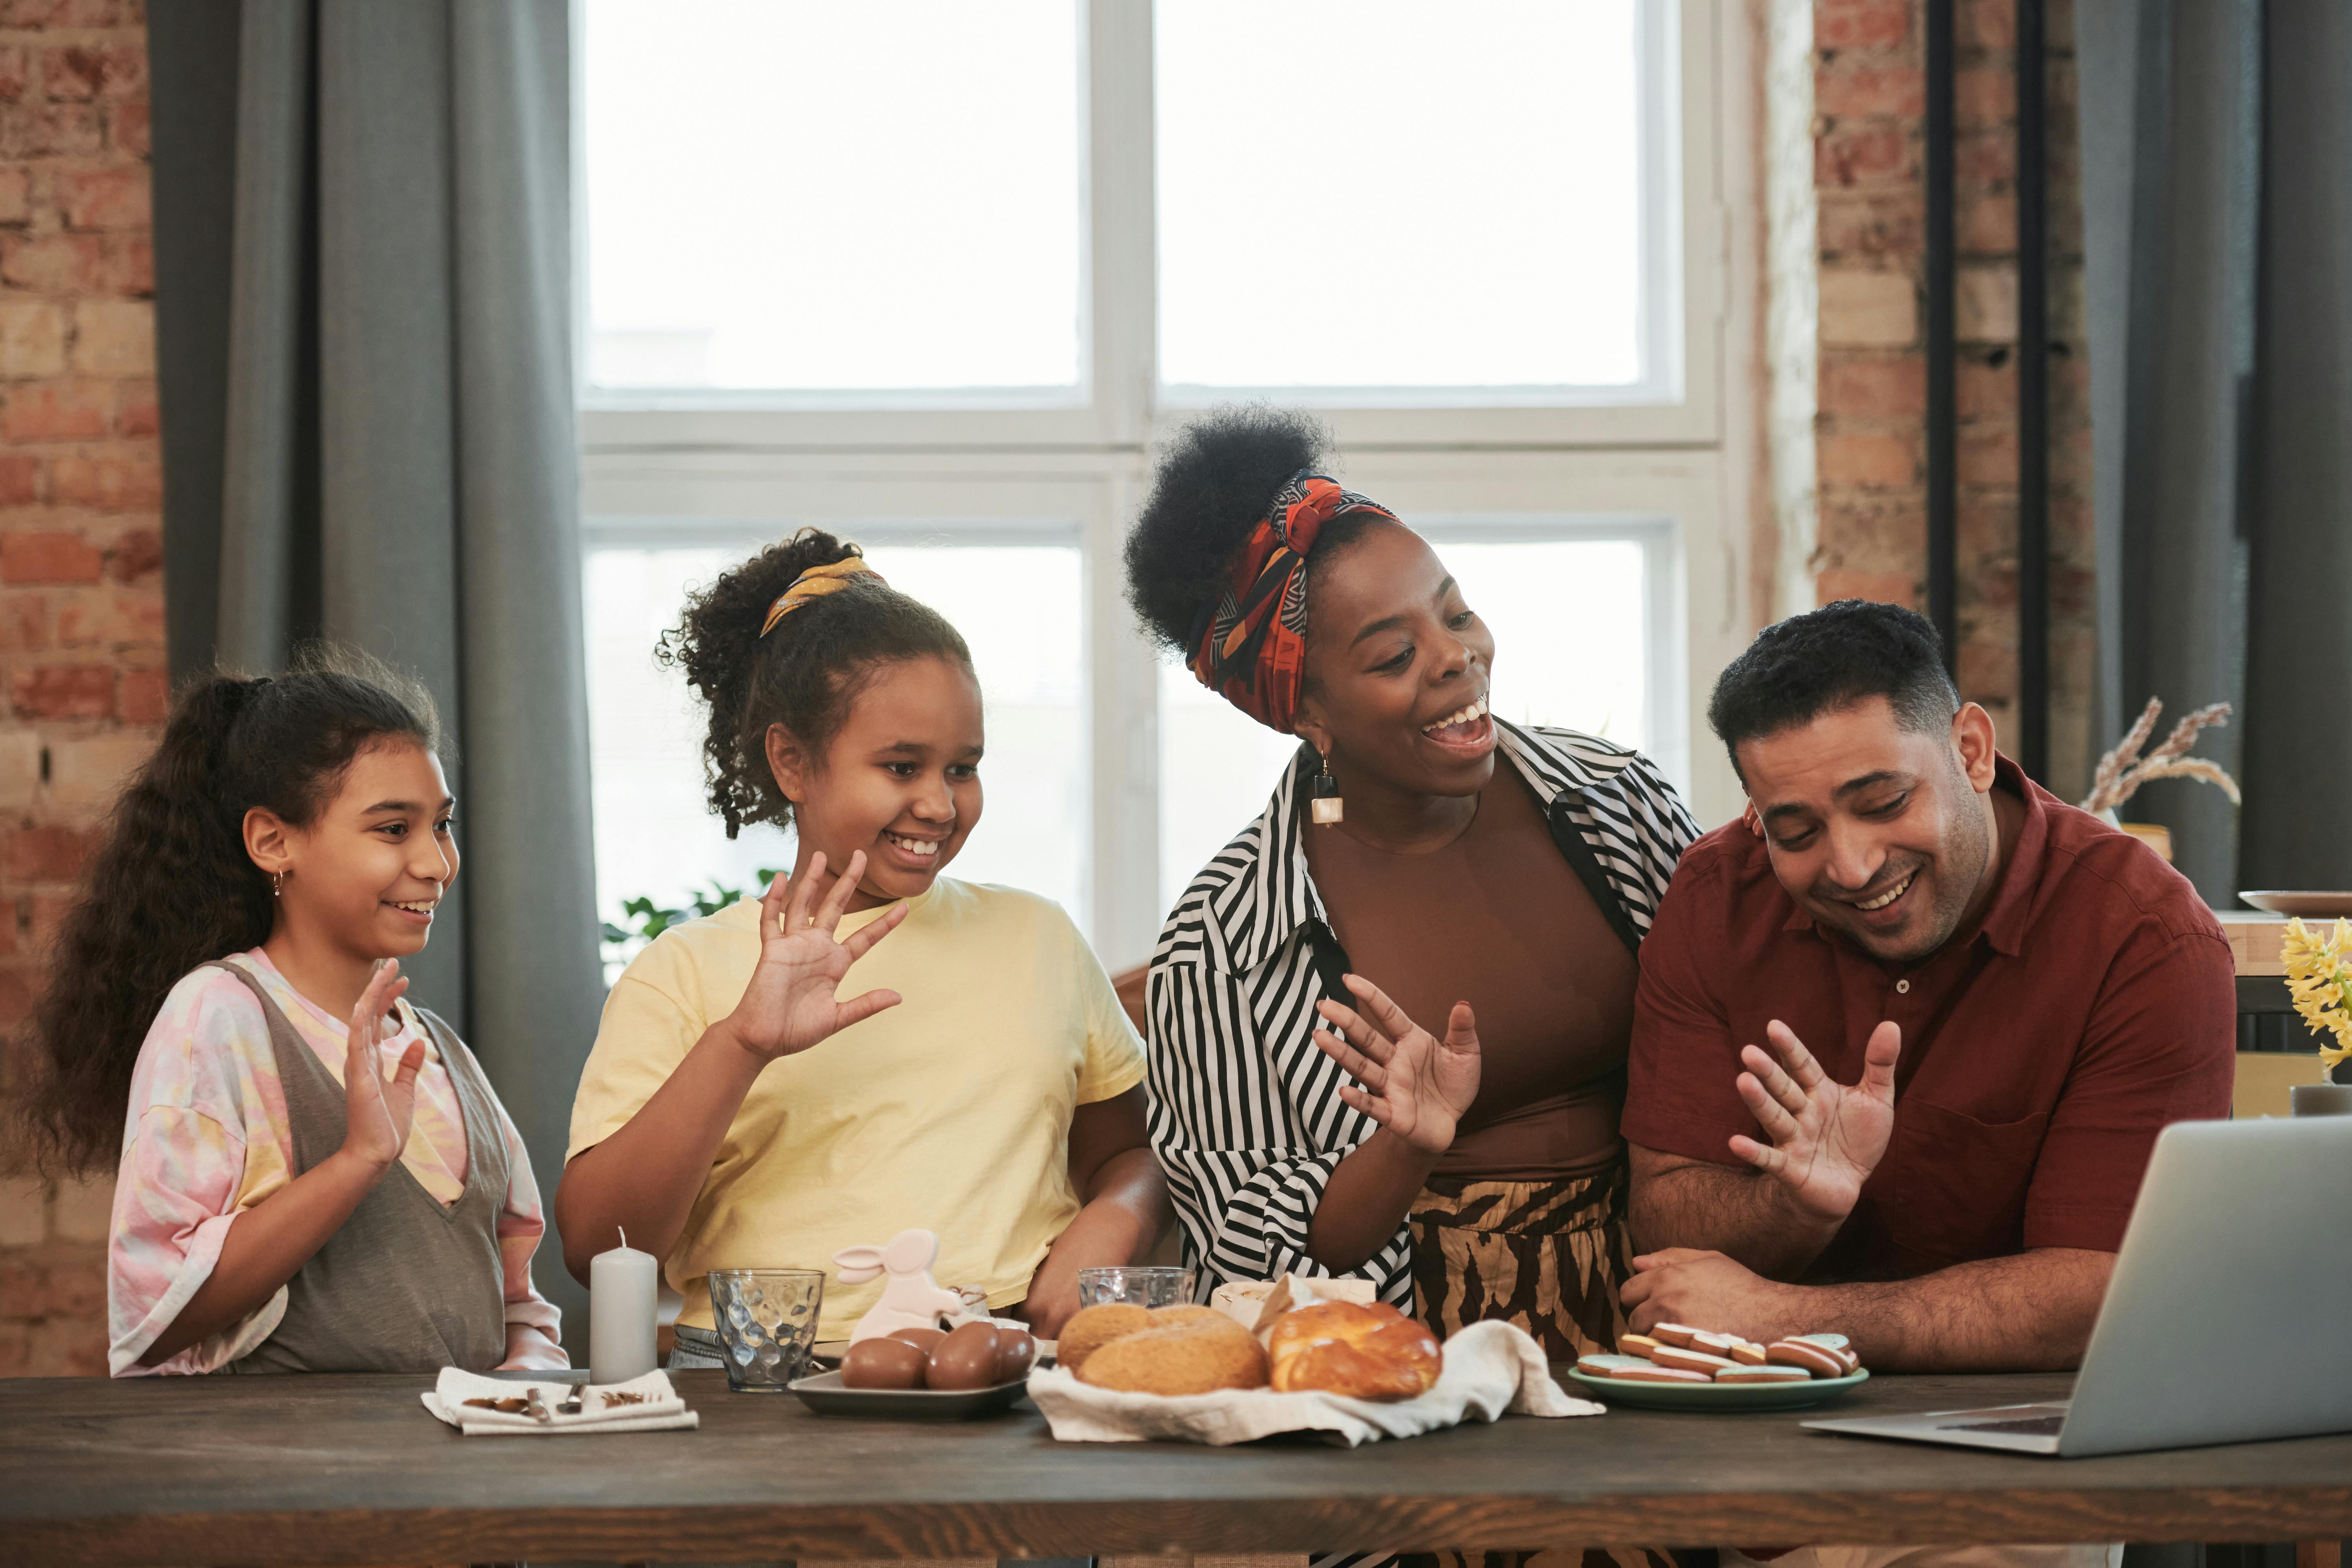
[278, 884]
[1326, 808]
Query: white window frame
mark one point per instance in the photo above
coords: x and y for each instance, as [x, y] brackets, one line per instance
[679, 469]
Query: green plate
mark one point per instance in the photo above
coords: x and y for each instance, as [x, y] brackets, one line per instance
[1718, 1395]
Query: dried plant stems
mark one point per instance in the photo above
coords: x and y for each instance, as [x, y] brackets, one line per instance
[2122, 771]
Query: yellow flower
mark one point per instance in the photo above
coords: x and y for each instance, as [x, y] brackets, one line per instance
[2319, 978]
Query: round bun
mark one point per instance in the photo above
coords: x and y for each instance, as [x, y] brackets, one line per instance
[1216, 479]
[1363, 1352]
[1169, 1316]
[1096, 1327]
[1196, 1355]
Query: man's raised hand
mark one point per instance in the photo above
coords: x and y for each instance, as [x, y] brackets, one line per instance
[789, 1004]
[1415, 1085]
[1827, 1137]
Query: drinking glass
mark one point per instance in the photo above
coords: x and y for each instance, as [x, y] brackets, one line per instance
[767, 1319]
[1136, 1286]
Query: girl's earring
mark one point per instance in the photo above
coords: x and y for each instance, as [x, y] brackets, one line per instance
[278, 884]
[1326, 808]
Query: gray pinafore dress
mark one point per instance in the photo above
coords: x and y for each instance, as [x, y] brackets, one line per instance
[405, 1284]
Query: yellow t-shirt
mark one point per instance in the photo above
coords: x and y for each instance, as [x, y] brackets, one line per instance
[950, 1111]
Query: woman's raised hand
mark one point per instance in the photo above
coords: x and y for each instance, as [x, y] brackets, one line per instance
[378, 1110]
[789, 1004]
[1416, 1085]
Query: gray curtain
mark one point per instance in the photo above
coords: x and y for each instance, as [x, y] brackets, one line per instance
[2217, 210]
[363, 295]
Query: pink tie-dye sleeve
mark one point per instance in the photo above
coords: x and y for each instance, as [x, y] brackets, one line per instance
[200, 1146]
[522, 1224]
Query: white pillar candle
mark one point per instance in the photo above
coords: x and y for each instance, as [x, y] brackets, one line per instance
[620, 1289]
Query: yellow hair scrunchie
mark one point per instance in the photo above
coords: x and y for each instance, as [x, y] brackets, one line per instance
[815, 584]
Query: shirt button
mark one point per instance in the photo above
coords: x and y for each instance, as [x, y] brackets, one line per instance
[1903, 987]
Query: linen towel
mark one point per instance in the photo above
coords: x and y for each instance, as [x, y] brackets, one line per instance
[656, 1408]
[1490, 1369]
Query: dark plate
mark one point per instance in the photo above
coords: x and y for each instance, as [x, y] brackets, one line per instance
[825, 1394]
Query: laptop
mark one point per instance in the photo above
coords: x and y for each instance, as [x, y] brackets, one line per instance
[2225, 1322]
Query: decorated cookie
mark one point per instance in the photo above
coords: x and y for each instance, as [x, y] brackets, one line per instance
[1691, 1359]
[1819, 1360]
[1601, 1364]
[1636, 1345]
[1747, 1353]
[1646, 1372]
[1678, 1335]
[1763, 1375]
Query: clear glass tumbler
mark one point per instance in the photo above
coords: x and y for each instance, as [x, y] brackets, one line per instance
[767, 1319]
[1138, 1287]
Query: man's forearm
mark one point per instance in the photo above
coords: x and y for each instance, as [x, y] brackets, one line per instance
[2031, 1312]
[1737, 1211]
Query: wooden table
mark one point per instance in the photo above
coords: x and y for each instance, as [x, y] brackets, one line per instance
[350, 1469]
[2254, 936]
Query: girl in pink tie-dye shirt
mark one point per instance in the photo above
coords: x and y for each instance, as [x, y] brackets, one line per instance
[312, 1174]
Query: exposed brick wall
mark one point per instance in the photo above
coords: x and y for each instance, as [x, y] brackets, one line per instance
[1869, 99]
[82, 602]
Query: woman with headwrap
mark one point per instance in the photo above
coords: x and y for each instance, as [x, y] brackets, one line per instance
[1458, 897]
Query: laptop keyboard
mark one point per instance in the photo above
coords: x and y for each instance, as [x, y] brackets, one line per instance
[2039, 1425]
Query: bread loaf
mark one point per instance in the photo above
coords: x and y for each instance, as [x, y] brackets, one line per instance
[1095, 1327]
[1363, 1352]
[1198, 1352]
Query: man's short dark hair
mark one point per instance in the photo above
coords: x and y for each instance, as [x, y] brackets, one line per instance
[1832, 657]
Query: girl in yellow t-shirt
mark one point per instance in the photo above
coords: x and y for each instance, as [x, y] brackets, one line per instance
[980, 1081]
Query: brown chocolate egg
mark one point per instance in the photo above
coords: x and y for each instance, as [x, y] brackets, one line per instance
[1016, 1353]
[966, 1358]
[883, 1364]
[924, 1340]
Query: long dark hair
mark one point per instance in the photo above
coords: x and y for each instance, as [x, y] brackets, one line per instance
[803, 674]
[173, 886]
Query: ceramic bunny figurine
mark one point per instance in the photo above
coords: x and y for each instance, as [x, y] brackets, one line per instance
[912, 1298]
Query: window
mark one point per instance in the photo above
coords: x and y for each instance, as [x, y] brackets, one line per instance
[940, 278]
[1488, 159]
[762, 219]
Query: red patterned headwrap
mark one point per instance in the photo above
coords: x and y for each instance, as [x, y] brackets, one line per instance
[1250, 645]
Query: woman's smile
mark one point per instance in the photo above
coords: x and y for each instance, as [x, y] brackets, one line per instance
[1466, 734]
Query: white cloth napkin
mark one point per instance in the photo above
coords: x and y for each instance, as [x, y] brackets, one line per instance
[660, 1410]
[1490, 1368]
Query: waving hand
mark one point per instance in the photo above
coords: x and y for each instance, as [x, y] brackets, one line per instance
[789, 1004]
[1415, 1085]
[1827, 1137]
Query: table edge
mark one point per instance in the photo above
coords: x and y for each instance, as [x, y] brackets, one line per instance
[1161, 1527]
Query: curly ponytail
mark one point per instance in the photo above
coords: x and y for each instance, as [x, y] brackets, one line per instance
[803, 674]
[173, 886]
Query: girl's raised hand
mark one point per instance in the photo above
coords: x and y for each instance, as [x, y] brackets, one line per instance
[789, 1004]
[378, 1110]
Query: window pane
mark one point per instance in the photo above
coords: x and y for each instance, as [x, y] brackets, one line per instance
[1017, 606]
[1570, 649]
[1568, 626]
[1384, 192]
[802, 193]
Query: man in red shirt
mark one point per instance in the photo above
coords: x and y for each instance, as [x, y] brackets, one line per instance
[1906, 1032]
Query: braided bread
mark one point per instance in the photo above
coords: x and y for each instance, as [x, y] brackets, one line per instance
[1363, 1352]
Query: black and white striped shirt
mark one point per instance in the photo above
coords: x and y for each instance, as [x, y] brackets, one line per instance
[1245, 1113]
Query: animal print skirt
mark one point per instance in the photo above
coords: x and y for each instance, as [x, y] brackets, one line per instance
[1547, 1256]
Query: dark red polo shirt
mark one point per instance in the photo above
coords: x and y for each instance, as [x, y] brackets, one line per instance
[2042, 1052]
